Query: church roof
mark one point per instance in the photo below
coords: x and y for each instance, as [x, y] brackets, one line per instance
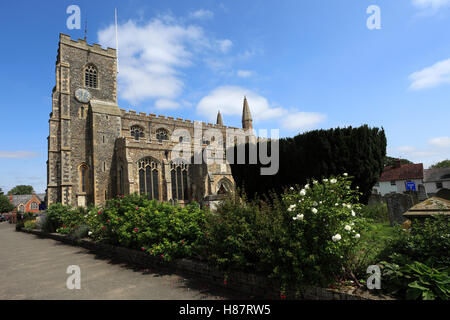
[402, 172]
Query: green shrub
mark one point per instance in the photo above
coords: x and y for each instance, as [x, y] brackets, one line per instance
[30, 224]
[306, 237]
[377, 212]
[428, 242]
[160, 229]
[416, 281]
[53, 217]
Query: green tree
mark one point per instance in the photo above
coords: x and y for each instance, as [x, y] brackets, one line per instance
[442, 164]
[21, 189]
[5, 205]
[389, 161]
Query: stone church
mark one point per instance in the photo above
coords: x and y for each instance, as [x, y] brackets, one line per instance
[97, 151]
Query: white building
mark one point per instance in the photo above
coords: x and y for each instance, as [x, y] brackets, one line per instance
[436, 180]
[400, 178]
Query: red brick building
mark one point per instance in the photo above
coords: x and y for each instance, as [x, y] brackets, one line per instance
[27, 202]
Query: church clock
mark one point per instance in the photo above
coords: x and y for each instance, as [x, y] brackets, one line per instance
[82, 95]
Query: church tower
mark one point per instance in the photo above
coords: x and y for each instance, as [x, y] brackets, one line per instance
[82, 122]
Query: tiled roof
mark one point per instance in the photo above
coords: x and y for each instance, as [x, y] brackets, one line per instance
[404, 172]
[20, 198]
[438, 174]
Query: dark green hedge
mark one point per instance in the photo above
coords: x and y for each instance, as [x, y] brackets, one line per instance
[360, 152]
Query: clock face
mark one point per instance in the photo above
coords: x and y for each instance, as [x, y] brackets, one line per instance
[82, 95]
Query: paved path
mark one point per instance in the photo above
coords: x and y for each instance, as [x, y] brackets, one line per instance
[35, 268]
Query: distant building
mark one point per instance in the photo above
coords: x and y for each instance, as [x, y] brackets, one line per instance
[436, 179]
[399, 178]
[27, 202]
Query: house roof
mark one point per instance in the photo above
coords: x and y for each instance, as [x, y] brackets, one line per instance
[438, 174]
[403, 172]
[433, 205]
[24, 198]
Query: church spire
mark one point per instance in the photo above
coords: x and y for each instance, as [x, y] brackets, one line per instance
[246, 116]
[219, 119]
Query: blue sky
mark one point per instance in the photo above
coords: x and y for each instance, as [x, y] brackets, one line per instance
[302, 64]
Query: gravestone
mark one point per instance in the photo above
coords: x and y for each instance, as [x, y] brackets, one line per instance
[398, 204]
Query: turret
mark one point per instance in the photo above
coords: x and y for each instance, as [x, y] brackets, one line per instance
[219, 119]
[246, 116]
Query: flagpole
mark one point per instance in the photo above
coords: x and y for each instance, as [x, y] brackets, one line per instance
[117, 41]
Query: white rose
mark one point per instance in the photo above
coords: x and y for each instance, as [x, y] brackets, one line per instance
[353, 213]
[292, 207]
[301, 217]
[291, 188]
[336, 237]
[333, 181]
[314, 210]
[307, 186]
[345, 174]
[348, 228]
[302, 192]
[315, 181]
[336, 204]
[89, 233]
[325, 180]
[357, 236]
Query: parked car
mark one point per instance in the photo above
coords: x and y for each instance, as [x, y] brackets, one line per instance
[3, 218]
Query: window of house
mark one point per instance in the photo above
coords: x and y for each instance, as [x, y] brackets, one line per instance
[149, 178]
[178, 175]
[137, 132]
[393, 183]
[438, 185]
[377, 184]
[90, 76]
[34, 206]
[162, 134]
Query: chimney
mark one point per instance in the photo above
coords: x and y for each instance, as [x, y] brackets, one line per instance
[397, 163]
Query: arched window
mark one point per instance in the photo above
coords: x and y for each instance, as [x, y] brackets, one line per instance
[90, 76]
[137, 132]
[178, 175]
[149, 178]
[84, 169]
[162, 134]
[224, 186]
[21, 208]
[34, 206]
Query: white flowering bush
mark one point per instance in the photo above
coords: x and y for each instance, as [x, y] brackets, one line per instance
[323, 227]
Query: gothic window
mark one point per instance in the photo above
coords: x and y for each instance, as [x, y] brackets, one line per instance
[224, 186]
[21, 208]
[90, 76]
[34, 206]
[149, 178]
[121, 182]
[83, 177]
[178, 175]
[137, 132]
[162, 134]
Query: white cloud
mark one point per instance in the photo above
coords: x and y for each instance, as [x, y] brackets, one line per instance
[245, 73]
[406, 149]
[224, 45]
[152, 55]
[440, 142]
[433, 76]
[299, 121]
[201, 14]
[229, 100]
[166, 104]
[17, 154]
[431, 4]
